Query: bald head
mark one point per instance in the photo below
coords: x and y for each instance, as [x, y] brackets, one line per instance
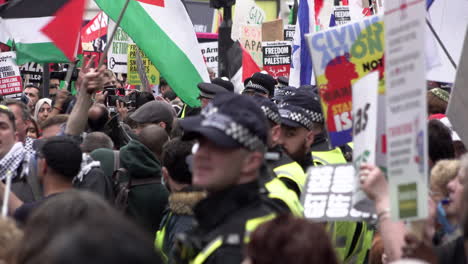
[154, 137]
[98, 115]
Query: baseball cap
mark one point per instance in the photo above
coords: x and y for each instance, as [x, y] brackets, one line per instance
[230, 121]
[153, 112]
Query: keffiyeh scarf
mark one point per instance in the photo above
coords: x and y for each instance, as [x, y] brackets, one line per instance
[12, 160]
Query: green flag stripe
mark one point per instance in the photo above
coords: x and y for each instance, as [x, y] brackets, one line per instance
[38, 52]
[168, 58]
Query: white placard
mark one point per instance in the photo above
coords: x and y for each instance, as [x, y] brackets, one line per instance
[458, 103]
[210, 53]
[117, 54]
[10, 78]
[406, 108]
[365, 105]
[247, 13]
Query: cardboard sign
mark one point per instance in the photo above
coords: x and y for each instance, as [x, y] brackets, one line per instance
[341, 56]
[251, 40]
[34, 71]
[365, 100]
[459, 98]
[288, 34]
[247, 13]
[328, 194]
[117, 55]
[10, 77]
[210, 53]
[406, 109]
[272, 30]
[277, 58]
[132, 76]
[342, 15]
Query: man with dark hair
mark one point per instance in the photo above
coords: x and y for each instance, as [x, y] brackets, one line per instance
[22, 116]
[178, 178]
[232, 137]
[440, 142]
[154, 137]
[56, 170]
[14, 159]
[96, 140]
[98, 116]
[33, 93]
[154, 112]
[163, 86]
[52, 126]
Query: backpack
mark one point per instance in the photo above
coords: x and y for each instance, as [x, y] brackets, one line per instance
[123, 188]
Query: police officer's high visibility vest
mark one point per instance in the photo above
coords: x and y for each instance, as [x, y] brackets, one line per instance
[184, 109]
[292, 171]
[278, 190]
[334, 156]
[218, 242]
[160, 238]
[352, 240]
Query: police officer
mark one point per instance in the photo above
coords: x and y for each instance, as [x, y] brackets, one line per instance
[207, 92]
[261, 84]
[285, 183]
[232, 136]
[301, 121]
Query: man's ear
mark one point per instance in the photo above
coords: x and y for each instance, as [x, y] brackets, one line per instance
[252, 162]
[162, 124]
[165, 174]
[310, 137]
[276, 134]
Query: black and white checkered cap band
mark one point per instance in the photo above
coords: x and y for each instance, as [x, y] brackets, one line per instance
[272, 115]
[250, 85]
[206, 95]
[214, 119]
[300, 115]
[282, 92]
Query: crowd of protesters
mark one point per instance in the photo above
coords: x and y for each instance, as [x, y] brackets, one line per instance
[118, 176]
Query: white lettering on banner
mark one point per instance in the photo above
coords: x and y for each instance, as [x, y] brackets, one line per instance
[328, 194]
[10, 78]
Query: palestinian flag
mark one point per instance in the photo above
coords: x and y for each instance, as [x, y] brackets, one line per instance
[241, 66]
[42, 30]
[163, 30]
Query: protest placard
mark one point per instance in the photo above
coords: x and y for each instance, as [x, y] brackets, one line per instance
[365, 105]
[247, 13]
[341, 56]
[277, 58]
[210, 53]
[34, 71]
[342, 15]
[328, 194]
[273, 30]
[10, 77]
[117, 54]
[132, 76]
[288, 33]
[459, 98]
[406, 109]
[251, 40]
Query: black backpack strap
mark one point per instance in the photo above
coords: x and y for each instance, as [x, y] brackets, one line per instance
[139, 182]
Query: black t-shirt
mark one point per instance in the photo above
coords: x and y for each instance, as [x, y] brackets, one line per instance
[23, 212]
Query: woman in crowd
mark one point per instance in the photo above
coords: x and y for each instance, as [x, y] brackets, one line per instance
[42, 110]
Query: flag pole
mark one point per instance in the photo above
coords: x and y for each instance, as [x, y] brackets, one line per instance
[441, 44]
[111, 38]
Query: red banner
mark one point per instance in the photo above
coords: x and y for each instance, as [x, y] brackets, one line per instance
[95, 29]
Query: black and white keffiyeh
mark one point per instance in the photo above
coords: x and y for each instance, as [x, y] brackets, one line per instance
[12, 160]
